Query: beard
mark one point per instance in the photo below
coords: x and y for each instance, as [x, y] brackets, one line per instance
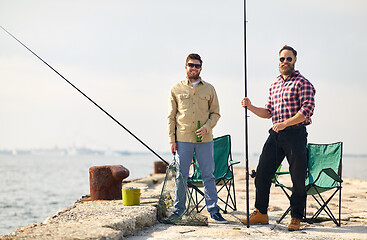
[286, 69]
[193, 75]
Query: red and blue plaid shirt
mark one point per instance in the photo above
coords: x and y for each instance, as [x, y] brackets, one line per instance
[287, 97]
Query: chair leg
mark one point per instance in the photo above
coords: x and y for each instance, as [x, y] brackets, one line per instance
[196, 199]
[289, 208]
[229, 201]
[284, 214]
[228, 188]
[324, 207]
[192, 197]
[340, 204]
[234, 196]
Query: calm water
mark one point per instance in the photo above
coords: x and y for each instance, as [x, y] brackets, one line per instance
[34, 187]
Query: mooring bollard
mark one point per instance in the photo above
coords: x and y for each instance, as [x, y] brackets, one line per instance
[160, 167]
[106, 181]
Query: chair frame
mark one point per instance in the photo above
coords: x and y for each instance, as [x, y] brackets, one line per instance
[197, 195]
[312, 187]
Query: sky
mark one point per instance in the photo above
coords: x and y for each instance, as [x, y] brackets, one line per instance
[126, 55]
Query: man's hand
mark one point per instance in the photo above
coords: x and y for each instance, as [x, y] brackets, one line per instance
[296, 119]
[279, 127]
[246, 102]
[258, 111]
[201, 132]
[173, 147]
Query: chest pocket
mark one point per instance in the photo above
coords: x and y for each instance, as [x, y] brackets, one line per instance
[183, 101]
[204, 102]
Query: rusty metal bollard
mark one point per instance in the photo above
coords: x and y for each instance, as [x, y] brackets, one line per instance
[160, 167]
[106, 181]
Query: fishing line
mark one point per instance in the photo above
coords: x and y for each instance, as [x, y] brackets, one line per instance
[145, 145]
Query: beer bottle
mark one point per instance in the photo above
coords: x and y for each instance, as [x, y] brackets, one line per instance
[198, 139]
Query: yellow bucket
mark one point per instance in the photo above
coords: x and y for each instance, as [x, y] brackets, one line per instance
[130, 196]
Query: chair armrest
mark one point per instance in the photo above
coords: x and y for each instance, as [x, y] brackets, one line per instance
[232, 162]
[276, 175]
[331, 173]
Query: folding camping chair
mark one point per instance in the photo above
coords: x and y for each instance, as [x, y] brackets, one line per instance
[223, 173]
[324, 174]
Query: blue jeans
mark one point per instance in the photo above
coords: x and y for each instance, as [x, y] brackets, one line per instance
[204, 155]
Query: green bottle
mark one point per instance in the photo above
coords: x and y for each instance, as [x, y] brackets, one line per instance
[198, 139]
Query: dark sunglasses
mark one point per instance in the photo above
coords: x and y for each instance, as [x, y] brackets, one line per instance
[194, 65]
[282, 59]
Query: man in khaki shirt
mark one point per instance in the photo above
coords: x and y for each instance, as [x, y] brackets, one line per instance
[192, 101]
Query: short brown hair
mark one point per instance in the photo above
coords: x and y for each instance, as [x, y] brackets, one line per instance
[286, 47]
[194, 56]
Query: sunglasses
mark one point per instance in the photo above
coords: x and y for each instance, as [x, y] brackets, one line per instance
[289, 59]
[193, 65]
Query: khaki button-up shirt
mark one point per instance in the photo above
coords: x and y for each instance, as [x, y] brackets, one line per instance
[189, 104]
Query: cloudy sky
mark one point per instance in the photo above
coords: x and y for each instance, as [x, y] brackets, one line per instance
[127, 54]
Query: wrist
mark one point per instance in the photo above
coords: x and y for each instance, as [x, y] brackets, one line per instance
[286, 123]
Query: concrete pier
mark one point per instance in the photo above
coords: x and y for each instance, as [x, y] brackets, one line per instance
[104, 219]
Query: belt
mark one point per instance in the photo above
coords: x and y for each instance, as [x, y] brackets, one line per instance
[294, 127]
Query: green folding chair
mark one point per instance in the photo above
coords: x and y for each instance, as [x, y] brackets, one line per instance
[223, 173]
[324, 174]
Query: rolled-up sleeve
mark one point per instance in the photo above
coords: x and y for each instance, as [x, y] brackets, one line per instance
[269, 105]
[307, 99]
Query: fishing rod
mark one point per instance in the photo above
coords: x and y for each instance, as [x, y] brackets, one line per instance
[246, 124]
[145, 145]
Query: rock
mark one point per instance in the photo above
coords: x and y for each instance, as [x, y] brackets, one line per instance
[90, 220]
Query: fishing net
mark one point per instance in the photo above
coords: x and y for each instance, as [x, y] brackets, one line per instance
[175, 205]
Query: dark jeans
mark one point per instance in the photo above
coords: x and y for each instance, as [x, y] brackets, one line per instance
[290, 143]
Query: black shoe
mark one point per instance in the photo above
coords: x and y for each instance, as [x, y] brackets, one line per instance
[217, 217]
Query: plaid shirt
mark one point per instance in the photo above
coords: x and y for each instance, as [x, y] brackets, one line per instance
[287, 97]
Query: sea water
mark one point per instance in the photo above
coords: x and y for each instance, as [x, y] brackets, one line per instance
[35, 186]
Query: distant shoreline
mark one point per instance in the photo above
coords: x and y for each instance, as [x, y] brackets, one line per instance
[76, 151]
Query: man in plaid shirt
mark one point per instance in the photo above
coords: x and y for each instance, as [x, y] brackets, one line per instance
[290, 106]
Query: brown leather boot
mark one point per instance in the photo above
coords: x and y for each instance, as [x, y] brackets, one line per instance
[257, 218]
[295, 224]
